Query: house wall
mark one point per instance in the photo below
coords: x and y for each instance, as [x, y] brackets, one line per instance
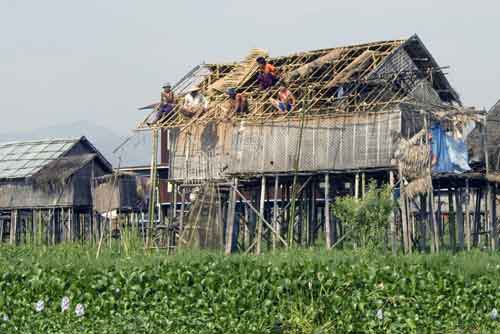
[22, 194]
[341, 142]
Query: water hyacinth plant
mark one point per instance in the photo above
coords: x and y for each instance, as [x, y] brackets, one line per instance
[288, 292]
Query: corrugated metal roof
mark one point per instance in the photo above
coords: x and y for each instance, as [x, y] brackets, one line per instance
[24, 159]
[192, 79]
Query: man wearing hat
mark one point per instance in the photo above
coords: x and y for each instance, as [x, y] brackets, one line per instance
[166, 105]
[194, 102]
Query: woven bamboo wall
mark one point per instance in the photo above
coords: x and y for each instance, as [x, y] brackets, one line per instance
[340, 142]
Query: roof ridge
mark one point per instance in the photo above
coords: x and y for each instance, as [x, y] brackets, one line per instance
[41, 141]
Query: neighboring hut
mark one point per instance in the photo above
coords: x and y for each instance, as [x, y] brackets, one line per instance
[45, 189]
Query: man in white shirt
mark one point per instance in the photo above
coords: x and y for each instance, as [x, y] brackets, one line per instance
[194, 102]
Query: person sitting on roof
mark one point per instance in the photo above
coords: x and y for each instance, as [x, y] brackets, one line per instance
[238, 103]
[167, 100]
[194, 103]
[166, 105]
[286, 101]
[267, 73]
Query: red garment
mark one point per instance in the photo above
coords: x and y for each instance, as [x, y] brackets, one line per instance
[268, 68]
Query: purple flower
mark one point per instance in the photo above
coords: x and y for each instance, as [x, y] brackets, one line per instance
[65, 302]
[39, 306]
[79, 310]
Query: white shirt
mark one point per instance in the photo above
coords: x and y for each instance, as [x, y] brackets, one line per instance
[197, 100]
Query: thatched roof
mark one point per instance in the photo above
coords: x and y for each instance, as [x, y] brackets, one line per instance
[59, 171]
[26, 159]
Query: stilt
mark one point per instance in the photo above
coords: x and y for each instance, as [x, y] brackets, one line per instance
[459, 217]
[13, 226]
[261, 211]
[392, 217]
[467, 219]
[328, 235]
[230, 218]
[363, 185]
[275, 210]
[451, 221]
[493, 216]
[356, 186]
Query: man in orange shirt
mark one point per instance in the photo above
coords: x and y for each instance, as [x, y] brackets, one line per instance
[267, 75]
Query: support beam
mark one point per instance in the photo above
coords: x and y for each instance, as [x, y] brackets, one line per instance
[356, 186]
[459, 218]
[230, 217]
[467, 219]
[493, 215]
[392, 217]
[258, 249]
[328, 235]
[275, 210]
[260, 216]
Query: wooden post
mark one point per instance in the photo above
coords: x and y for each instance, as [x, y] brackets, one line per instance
[356, 186]
[181, 214]
[459, 217]
[275, 211]
[327, 212]
[467, 216]
[392, 217]
[261, 211]
[493, 215]
[435, 226]
[363, 184]
[230, 218]
[152, 194]
[451, 221]
[13, 226]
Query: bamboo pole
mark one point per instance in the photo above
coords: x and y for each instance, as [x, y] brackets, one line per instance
[392, 218]
[275, 210]
[328, 234]
[261, 211]
[467, 216]
[230, 217]
[154, 161]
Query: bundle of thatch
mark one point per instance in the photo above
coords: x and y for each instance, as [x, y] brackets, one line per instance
[418, 186]
[413, 157]
[58, 172]
[310, 67]
[239, 74]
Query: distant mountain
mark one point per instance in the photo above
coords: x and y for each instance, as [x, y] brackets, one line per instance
[134, 153]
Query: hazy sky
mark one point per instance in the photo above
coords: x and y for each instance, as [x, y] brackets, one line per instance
[67, 60]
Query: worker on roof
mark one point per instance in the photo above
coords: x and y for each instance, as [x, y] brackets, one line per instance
[286, 101]
[194, 103]
[166, 105]
[267, 73]
[238, 103]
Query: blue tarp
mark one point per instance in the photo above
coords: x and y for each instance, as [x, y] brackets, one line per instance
[451, 153]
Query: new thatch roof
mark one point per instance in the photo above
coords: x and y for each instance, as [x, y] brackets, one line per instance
[364, 77]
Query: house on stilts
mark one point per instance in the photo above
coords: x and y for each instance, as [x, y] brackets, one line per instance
[46, 190]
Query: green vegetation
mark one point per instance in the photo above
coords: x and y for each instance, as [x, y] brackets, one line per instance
[290, 292]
